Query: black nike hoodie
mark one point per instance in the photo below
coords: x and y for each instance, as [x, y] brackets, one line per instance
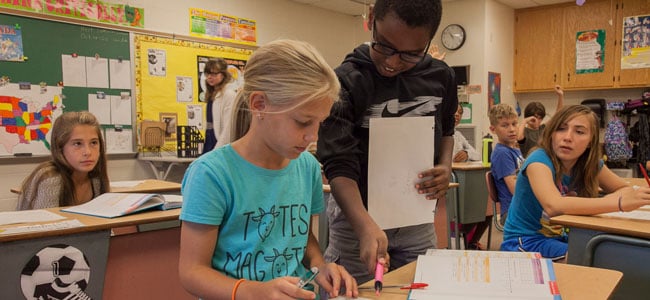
[427, 89]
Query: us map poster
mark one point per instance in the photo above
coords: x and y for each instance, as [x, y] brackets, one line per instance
[27, 113]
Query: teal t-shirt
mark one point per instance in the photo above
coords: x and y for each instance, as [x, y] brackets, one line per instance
[263, 215]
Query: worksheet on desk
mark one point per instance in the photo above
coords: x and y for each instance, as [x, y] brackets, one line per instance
[460, 274]
[399, 149]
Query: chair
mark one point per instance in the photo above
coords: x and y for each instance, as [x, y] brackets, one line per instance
[494, 199]
[153, 136]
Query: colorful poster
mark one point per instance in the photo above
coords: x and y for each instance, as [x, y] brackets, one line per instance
[494, 89]
[635, 52]
[11, 43]
[90, 10]
[590, 51]
[26, 117]
[216, 26]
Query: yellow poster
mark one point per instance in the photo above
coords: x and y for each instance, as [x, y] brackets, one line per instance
[160, 64]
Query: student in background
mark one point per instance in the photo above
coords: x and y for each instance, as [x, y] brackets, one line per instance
[219, 97]
[568, 173]
[77, 172]
[393, 76]
[532, 128]
[506, 158]
[463, 151]
[248, 205]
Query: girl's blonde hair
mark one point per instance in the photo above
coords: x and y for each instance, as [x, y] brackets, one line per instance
[290, 73]
[583, 174]
[61, 132]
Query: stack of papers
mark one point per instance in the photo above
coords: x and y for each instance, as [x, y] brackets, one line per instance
[460, 274]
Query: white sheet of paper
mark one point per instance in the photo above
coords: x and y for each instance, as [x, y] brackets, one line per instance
[97, 72]
[42, 227]
[399, 149]
[74, 70]
[458, 274]
[120, 110]
[119, 141]
[128, 183]
[101, 108]
[120, 74]
[27, 216]
[195, 115]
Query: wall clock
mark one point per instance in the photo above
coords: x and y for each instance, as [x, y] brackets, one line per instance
[453, 37]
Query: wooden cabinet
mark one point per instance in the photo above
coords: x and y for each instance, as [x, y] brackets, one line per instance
[538, 48]
[545, 45]
[601, 16]
[630, 77]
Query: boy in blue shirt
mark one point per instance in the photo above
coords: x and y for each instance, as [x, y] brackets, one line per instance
[506, 157]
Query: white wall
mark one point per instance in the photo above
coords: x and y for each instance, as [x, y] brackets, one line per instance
[334, 34]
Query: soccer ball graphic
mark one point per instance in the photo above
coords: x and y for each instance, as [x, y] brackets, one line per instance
[56, 272]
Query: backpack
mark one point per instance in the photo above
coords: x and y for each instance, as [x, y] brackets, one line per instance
[617, 145]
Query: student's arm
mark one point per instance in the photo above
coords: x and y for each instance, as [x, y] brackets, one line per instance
[609, 181]
[472, 154]
[331, 276]
[510, 181]
[560, 97]
[436, 187]
[47, 192]
[520, 131]
[339, 149]
[373, 240]
[437, 178]
[199, 278]
[555, 204]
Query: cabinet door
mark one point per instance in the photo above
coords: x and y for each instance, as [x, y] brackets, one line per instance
[596, 17]
[538, 49]
[631, 77]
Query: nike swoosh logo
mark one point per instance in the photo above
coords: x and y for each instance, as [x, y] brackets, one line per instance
[388, 114]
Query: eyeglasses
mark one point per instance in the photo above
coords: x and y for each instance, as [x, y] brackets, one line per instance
[407, 56]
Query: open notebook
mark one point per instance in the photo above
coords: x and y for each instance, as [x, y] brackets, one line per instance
[460, 274]
[111, 205]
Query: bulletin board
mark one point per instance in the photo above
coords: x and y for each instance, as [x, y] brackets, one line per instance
[167, 80]
[44, 45]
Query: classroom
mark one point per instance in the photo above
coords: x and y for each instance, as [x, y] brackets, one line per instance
[512, 51]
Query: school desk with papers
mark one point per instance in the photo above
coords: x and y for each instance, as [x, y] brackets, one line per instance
[460, 274]
[111, 205]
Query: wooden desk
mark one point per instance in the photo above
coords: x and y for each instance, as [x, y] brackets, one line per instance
[470, 201]
[612, 243]
[574, 282]
[149, 186]
[162, 165]
[146, 186]
[142, 265]
[636, 181]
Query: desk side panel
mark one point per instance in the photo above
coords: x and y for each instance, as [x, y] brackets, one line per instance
[15, 255]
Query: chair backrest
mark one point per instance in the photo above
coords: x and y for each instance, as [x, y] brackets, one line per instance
[492, 190]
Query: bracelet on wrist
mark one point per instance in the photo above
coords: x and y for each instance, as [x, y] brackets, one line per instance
[620, 207]
[234, 289]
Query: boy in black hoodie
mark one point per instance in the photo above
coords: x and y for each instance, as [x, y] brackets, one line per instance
[390, 77]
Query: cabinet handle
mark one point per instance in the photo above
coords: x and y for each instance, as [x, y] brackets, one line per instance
[554, 77]
[568, 76]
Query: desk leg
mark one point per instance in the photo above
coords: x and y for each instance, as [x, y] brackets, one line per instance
[453, 206]
[160, 175]
[169, 168]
